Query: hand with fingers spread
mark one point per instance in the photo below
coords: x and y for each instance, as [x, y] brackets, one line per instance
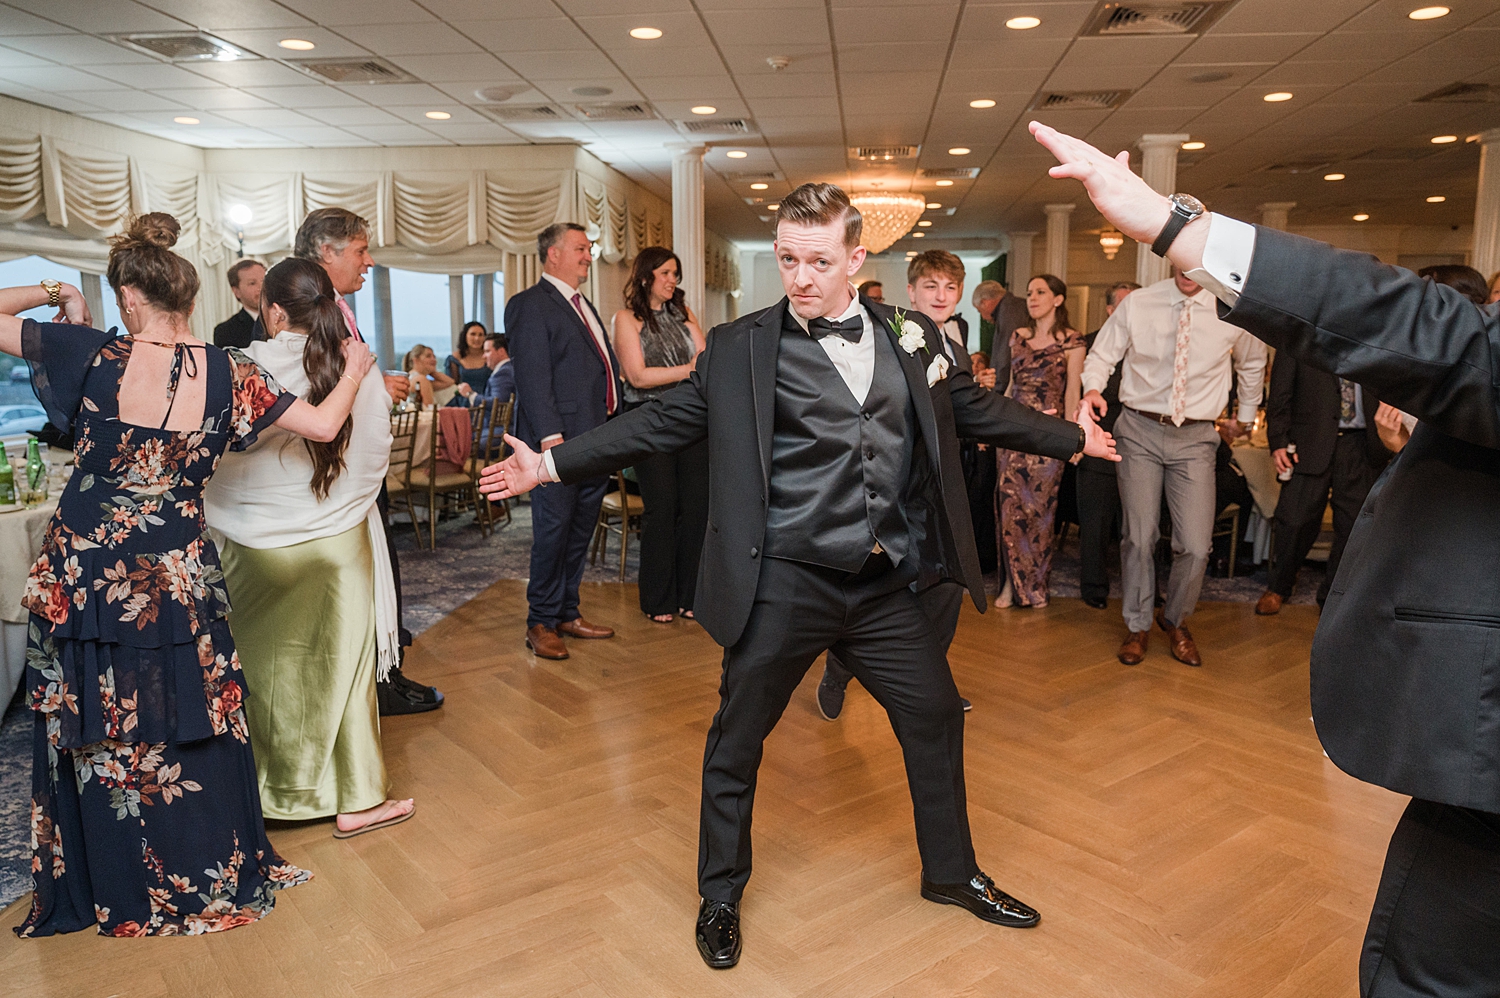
[1097, 442]
[521, 472]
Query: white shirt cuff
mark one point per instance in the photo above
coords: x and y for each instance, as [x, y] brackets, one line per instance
[549, 468]
[1226, 258]
[1248, 414]
[1093, 384]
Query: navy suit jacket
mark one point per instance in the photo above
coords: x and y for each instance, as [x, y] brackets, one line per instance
[559, 379]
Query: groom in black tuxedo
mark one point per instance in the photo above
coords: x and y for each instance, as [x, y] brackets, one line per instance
[836, 493]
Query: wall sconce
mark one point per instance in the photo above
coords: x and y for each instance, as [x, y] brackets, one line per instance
[1110, 241]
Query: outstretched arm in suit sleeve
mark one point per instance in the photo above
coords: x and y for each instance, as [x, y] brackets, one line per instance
[993, 418]
[531, 355]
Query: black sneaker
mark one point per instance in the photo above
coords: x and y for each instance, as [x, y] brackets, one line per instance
[400, 695]
[831, 695]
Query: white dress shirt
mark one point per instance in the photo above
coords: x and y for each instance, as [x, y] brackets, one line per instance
[1142, 334]
[587, 315]
[1226, 258]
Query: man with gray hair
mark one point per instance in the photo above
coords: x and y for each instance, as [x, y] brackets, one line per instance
[1008, 313]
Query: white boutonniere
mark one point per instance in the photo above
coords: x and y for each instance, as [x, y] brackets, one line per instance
[908, 333]
[937, 370]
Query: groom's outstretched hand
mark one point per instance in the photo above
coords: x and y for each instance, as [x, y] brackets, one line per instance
[1120, 195]
[1097, 442]
[521, 472]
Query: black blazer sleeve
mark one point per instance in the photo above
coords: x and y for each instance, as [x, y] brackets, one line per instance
[1418, 345]
[992, 418]
[678, 419]
[1279, 401]
[527, 326]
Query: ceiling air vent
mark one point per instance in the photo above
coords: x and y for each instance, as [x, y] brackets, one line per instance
[950, 173]
[1462, 93]
[181, 46]
[348, 71]
[881, 154]
[716, 126]
[1155, 17]
[1298, 166]
[1408, 154]
[527, 112]
[744, 175]
[616, 111]
[1081, 100]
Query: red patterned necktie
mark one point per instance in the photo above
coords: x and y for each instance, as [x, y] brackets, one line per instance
[609, 372]
[349, 319]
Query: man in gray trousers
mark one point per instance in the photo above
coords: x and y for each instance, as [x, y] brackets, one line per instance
[1179, 361]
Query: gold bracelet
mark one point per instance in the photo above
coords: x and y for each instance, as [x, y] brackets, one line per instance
[351, 380]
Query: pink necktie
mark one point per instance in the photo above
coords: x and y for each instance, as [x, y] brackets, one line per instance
[1180, 362]
[609, 372]
[349, 319]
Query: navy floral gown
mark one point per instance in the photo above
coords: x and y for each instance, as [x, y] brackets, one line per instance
[145, 817]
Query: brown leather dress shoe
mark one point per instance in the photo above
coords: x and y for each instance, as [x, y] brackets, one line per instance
[545, 643]
[1133, 651]
[1179, 641]
[1269, 605]
[580, 628]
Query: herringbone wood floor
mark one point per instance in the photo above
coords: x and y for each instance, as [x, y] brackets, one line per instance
[1179, 829]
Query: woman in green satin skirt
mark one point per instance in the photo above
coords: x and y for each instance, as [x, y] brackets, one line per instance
[303, 621]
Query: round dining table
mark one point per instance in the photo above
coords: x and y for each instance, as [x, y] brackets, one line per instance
[21, 533]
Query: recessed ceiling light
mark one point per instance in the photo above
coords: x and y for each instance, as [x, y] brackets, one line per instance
[945, 183]
[297, 44]
[185, 120]
[1333, 176]
[774, 206]
[1361, 217]
[760, 187]
[1277, 97]
[1194, 146]
[1427, 13]
[959, 151]
[439, 115]
[736, 154]
[1442, 140]
[1436, 199]
[645, 34]
[924, 223]
[1023, 23]
[934, 204]
[984, 102]
[919, 235]
[704, 109]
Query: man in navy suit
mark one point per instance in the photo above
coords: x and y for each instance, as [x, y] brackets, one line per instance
[567, 383]
[502, 381]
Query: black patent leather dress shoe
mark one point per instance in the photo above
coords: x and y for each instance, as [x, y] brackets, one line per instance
[719, 933]
[1095, 601]
[985, 900]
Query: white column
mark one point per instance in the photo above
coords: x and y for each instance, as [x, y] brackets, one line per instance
[1273, 214]
[1159, 170]
[455, 309]
[93, 295]
[1018, 266]
[1057, 239]
[1486, 255]
[486, 285]
[385, 327]
[687, 219]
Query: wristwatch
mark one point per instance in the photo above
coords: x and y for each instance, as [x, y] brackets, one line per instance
[1185, 208]
[54, 291]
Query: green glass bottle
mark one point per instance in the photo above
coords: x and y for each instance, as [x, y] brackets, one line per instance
[7, 479]
[36, 474]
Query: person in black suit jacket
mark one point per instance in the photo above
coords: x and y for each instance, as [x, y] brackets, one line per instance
[1405, 663]
[1331, 422]
[243, 327]
[567, 383]
[832, 425]
[1097, 488]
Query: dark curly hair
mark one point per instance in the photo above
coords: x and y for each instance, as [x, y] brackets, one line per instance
[642, 277]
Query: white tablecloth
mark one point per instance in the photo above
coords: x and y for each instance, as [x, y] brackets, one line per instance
[21, 534]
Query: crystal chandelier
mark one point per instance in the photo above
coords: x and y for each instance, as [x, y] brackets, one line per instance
[888, 216]
[1110, 241]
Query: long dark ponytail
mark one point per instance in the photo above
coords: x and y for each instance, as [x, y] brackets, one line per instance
[302, 289]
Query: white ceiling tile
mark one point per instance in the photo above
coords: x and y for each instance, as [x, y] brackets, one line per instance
[1364, 45]
[1262, 15]
[753, 27]
[263, 42]
[986, 22]
[13, 59]
[108, 18]
[398, 94]
[691, 88]
[471, 67]
[612, 32]
[532, 34]
[315, 135]
[274, 117]
[81, 51]
[251, 73]
[785, 85]
[211, 100]
[125, 99]
[465, 93]
[221, 15]
[409, 39]
[1265, 47]
[992, 82]
[749, 61]
[18, 22]
[308, 95]
[55, 79]
[866, 57]
[417, 115]
[1040, 54]
[901, 25]
[454, 11]
[152, 75]
[897, 84]
[344, 116]
[59, 101]
[699, 61]
[562, 91]
[338, 13]
[1100, 76]
[540, 65]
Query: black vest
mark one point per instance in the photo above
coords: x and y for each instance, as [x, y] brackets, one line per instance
[838, 469]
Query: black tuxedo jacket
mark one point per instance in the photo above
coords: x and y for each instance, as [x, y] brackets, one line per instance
[1406, 661]
[1302, 407]
[731, 400]
[239, 330]
[560, 380]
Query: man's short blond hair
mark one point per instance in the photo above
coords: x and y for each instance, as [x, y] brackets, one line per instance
[935, 261]
[820, 204]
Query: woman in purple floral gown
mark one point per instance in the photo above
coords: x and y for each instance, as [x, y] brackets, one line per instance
[145, 817]
[1046, 371]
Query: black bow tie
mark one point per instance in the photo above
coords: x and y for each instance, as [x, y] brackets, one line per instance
[850, 329]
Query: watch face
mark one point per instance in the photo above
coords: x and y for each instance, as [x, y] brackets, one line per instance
[1188, 203]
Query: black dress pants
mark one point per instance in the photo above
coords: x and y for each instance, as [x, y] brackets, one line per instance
[874, 622]
[1299, 512]
[1435, 929]
[1098, 521]
[674, 488]
[979, 481]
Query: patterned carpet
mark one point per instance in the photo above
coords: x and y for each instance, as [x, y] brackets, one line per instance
[435, 583]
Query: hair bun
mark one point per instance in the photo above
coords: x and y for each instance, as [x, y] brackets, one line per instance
[155, 228]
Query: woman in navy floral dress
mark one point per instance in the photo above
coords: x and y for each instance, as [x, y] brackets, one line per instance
[145, 818]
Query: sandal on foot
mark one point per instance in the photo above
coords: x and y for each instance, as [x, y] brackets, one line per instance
[656, 618]
[339, 833]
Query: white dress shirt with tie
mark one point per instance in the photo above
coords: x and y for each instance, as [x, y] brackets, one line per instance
[1190, 381]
